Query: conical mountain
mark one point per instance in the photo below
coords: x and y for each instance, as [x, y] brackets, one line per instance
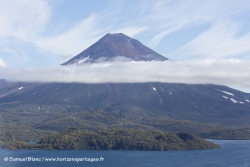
[204, 103]
[116, 46]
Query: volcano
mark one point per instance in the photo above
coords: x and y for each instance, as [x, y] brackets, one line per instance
[113, 47]
[204, 103]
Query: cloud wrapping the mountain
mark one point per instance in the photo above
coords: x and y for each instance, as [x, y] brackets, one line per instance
[227, 72]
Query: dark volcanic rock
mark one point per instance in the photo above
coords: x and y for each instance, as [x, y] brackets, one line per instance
[113, 46]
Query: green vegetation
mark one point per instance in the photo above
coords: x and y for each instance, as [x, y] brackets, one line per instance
[16, 145]
[96, 120]
[33, 127]
[228, 134]
[11, 132]
[117, 139]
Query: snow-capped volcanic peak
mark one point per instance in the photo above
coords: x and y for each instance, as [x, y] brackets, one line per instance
[112, 46]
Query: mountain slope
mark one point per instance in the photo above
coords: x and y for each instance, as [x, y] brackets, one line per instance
[202, 103]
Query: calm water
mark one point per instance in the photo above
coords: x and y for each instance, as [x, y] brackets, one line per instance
[232, 154]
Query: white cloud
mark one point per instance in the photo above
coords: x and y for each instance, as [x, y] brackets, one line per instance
[164, 14]
[130, 31]
[21, 22]
[219, 41]
[72, 41]
[175, 12]
[226, 72]
[31, 22]
[23, 18]
[2, 63]
[157, 38]
[79, 37]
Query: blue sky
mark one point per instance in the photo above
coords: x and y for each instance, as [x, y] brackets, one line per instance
[46, 33]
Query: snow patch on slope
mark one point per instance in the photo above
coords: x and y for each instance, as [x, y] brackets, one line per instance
[225, 97]
[20, 88]
[154, 88]
[82, 60]
[233, 100]
[247, 100]
[226, 92]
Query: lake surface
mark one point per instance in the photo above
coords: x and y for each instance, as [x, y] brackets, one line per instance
[232, 154]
